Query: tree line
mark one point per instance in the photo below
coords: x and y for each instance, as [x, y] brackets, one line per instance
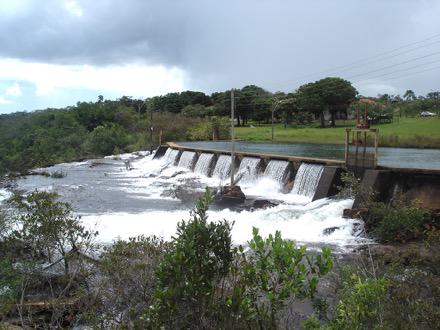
[91, 129]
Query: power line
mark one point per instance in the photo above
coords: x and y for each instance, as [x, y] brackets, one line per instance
[397, 71]
[412, 73]
[392, 56]
[394, 65]
[350, 65]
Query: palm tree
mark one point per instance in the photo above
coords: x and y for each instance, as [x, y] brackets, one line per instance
[409, 95]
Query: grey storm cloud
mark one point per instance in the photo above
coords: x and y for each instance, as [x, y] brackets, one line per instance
[276, 44]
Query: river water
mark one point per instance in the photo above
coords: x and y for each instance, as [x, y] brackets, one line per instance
[393, 157]
[153, 197]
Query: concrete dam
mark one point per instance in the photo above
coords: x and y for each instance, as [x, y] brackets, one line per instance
[312, 177]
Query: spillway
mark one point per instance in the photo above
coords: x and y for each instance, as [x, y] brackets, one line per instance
[277, 170]
[170, 157]
[307, 179]
[222, 167]
[249, 169]
[204, 164]
[187, 159]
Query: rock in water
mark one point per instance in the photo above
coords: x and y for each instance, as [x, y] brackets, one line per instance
[263, 204]
[330, 230]
[230, 196]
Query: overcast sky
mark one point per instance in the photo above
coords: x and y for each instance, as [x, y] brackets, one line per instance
[56, 52]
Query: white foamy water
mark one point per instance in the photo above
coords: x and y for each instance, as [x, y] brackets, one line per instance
[222, 168]
[153, 196]
[187, 159]
[302, 223]
[248, 169]
[307, 179]
[204, 163]
[277, 170]
[4, 195]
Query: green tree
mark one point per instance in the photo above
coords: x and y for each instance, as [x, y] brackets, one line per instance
[332, 94]
[106, 139]
[245, 102]
[409, 95]
[191, 272]
[49, 228]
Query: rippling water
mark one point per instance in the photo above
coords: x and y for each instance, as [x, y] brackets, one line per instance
[153, 197]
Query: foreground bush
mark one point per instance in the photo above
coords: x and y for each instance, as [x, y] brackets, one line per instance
[204, 282]
[396, 222]
[44, 263]
[125, 285]
[192, 271]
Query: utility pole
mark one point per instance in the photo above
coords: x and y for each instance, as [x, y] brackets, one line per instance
[436, 103]
[151, 129]
[273, 116]
[436, 95]
[273, 111]
[232, 138]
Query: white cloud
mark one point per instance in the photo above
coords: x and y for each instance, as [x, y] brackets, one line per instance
[137, 80]
[14, 8]
[73, 7]
[4, 101]
[374, 88]
[14, 90]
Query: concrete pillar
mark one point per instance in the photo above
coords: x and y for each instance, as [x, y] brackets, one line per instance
[160, 152]
[329, 182]
[379, 182]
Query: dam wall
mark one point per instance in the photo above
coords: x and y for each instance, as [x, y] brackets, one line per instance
[315, 178]
[406, 185]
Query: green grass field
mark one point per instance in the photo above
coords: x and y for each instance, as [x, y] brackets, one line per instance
[403, 132]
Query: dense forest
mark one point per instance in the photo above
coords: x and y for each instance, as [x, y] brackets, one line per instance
[91, 129]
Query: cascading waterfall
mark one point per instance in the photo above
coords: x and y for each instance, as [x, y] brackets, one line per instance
[187, 159]
[164, 200]
[248, 169]
[277, 170]
[170, 156]
[307, 179]
[203, 165]
[223, 167]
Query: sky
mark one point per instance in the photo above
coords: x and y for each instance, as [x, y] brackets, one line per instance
[54, 53]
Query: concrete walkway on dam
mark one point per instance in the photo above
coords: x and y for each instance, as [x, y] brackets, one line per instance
[388, 157]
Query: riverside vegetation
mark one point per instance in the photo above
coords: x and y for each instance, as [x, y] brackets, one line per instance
[53, 274]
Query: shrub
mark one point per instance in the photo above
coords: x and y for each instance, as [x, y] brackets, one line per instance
[271, 272]
[204, 282]
[58, 174]
[49, 228]
[126, 285]
[213, 128]
[191, 272]
[352, 188]
[396, 223]
[5, 226]
[351, 185]
[46, 250]
[361, 305]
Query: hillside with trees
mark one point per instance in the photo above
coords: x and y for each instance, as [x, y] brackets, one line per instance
[93, 129]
